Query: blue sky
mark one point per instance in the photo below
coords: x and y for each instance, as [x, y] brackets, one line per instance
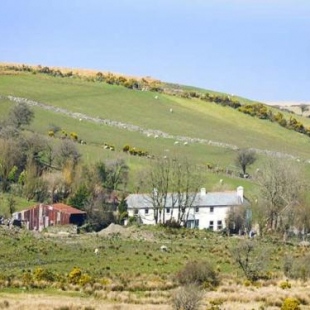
[258, 49]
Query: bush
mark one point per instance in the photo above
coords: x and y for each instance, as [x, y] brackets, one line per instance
[290, 303]
[285, 285]
[199, 273]
[187, 298]
[41, 274]
[297, 268]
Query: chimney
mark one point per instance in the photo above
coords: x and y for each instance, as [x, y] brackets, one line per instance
[240, 193]
[202, 191]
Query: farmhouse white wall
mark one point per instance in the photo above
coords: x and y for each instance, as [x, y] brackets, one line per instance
[209, 210]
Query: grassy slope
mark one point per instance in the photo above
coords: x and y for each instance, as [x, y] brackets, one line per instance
[193, 118]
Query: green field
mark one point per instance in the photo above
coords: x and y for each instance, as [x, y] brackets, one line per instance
[130, 268]
[191, 118]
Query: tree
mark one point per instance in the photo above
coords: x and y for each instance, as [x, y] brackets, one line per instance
[252, 258]
[281, 185]
[11, 202]
[175, 182]
[65, 153]
[158, 183]
[116, 174]
[185, 183]
[245, 158]
[11, 157]
[20, 115]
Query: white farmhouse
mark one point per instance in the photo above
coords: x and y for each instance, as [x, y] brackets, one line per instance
[208, 210]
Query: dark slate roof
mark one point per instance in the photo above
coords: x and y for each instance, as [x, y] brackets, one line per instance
[201, 200]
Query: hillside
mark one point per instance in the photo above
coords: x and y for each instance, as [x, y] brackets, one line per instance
[162, 123]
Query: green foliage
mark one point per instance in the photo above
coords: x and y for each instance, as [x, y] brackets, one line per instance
[290, 303]
[80, 197]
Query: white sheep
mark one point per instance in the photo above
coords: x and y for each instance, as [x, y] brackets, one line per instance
[163, 248]
[96, 251]
[185, 143]
[171, 110]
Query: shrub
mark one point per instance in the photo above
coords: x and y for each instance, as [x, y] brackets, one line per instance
[75, 275]
[290, 303]
[41, 274]
[187, 298]
[297, 268]
[126, 148]
[198, 273]
[285, 284]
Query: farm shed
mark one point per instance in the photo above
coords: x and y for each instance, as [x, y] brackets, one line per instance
[41, 216]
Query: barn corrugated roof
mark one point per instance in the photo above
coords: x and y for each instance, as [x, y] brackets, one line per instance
[66, 209]
[60, 207]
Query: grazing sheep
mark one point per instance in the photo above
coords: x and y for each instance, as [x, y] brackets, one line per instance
[176, 142]
[185, 143]
[156, 136]
[171, 110]
[163, 248]
[96, 251]
[156, 97]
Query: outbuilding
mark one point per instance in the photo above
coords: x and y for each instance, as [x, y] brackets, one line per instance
[42, 216]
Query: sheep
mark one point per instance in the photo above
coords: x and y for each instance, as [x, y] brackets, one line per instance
[163, 248]
[185, 143]
[171, 110]
[156, 136]
[156, 97]
[176, 142]
[96, 251]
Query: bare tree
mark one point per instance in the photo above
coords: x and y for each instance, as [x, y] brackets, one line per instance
[20, 115]
[66, 152]
[245, 158]
[252, 258]
[281, 186]
[186, 180]
[172, 183]
[158, 181]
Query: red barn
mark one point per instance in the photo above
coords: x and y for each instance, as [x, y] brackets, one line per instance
[41, 216]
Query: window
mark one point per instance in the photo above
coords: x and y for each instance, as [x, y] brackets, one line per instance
[211, 209]
[167, 210]
[211, 225]
[136, 212]
[219, 225]
[147, 211]
[197, 209]
[192, 224]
